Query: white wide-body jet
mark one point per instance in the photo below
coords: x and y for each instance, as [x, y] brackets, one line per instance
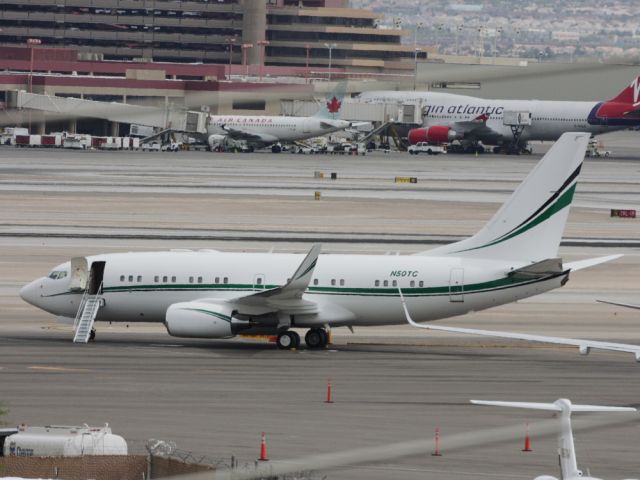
[566, 448]
[448, 117]
[213, 294]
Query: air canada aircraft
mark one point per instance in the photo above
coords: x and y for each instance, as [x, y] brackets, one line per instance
[261, 131]
[214, 294]
[511, 123]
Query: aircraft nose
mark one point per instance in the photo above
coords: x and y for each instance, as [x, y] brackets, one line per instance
[31, 292]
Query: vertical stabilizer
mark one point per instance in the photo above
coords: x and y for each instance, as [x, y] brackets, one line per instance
[331, 108]
[564, 407]
[630, 94]
[529, 226]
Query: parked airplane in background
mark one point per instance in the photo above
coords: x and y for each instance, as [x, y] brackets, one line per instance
[509, 124]
[566, 447]
[263, 131]
[212, 294]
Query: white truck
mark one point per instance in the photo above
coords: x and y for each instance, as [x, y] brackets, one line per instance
[428, 148]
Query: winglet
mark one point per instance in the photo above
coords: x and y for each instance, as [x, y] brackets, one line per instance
[406, 312]
[302, 276]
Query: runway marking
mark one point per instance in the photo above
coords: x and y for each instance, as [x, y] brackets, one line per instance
[57, 369]
[169, 345]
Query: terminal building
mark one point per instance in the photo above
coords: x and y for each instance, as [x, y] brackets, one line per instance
[313, 33]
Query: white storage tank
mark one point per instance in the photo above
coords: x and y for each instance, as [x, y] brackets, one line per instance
[64, 441]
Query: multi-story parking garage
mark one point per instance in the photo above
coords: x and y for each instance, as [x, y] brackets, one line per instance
[273, 32]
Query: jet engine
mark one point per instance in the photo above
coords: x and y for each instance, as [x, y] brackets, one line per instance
[437, 134]
[202, 320]
[215, 141]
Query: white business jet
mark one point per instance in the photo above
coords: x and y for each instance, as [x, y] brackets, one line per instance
[213, 294]
[566, 448]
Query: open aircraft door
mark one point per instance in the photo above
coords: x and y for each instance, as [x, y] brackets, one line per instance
[79, 274]
[456, 285]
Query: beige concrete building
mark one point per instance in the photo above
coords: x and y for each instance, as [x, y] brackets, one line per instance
[318, 33]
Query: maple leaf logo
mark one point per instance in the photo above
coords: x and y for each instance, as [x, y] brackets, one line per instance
[334, 105]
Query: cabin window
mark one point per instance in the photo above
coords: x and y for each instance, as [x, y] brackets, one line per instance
[217, 280]
[394, 283]
[421, 284]
[386, 283]
[190, 279]
[259, 280]
[173, 279]
[122, 278]
[333, 281]
[342, 282]
[315, 281]
[139, 279]
[412, 283]
[377, 283]
[130, 278]
[225, 280]
[199, 279]
[156, 279]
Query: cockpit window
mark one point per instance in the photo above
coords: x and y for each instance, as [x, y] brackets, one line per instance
[58, 274]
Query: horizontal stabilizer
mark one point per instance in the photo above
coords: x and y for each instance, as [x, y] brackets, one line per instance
[591, 262]
[554, 407]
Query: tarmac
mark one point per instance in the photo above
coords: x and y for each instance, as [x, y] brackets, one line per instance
[390, 384]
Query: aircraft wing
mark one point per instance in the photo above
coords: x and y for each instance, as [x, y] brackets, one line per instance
[584, 346]
[288, 297]
[626, 305]
[476, 127]
[248, 135]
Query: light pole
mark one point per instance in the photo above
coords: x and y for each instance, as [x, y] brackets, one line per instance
[496, 32]
[419, 25]
[32, 42]
[262, 44]
[415, 67]
[230, 41]
[245, 47]
[330, 46]
[458, 30]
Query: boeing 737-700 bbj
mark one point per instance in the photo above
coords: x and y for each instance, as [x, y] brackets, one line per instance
[511, 123]
[213, 294]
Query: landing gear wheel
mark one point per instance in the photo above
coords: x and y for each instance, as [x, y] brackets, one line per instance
[316, 338]
[288, 340]
[92, 335]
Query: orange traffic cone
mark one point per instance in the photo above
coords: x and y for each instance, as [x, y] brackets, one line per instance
[527, 441]
[263, 449]
[329, 398]
[436, 452]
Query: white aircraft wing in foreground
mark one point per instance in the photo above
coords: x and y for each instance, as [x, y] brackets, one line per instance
[626, 305]
[584, 346]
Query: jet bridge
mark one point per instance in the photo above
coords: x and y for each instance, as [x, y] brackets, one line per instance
[160, 118]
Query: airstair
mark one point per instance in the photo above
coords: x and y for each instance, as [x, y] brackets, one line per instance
[86, 316]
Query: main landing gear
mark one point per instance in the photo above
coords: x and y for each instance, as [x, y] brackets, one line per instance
[315, 338]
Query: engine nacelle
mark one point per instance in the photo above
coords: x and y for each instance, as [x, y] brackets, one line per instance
[437, 134]
[202, 320]
[215, 141]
